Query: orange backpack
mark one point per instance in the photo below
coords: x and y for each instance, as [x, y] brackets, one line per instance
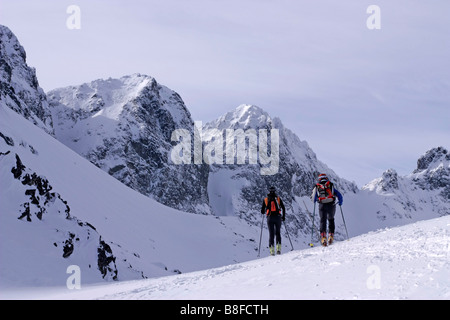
[274, 205]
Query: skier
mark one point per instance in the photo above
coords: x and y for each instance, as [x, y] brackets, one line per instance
[325, 193]
[271, 207]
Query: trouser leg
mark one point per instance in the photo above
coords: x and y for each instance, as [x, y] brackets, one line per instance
[323, 218]
[326, 213]
[274, 224]
[271, 226]
[278, 228]
[330, 217]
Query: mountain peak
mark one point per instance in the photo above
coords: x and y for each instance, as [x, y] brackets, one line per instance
[10, 45]
[432, 173]
[250, 115]
[389, 180]
[124, 126]
[432, 158]
[243, 117]
[249, 110]
[19, 87]
[106, 95]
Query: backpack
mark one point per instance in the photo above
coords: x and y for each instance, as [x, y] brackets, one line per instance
[272, 205]
[325, 192]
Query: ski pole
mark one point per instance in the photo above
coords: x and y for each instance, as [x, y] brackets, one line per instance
[312, 227]
[310, 215]
[292, 247]
[260, 236]
[342, 213]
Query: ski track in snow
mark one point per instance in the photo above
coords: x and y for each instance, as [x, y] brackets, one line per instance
[409, 262]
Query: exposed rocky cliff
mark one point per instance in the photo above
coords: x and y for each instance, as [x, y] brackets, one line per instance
[124, 127]
[19, 86]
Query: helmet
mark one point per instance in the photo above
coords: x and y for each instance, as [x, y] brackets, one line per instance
[272, 189]
[322, 178]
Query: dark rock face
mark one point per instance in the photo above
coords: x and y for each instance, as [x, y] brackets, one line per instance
[433, 171]
[106, 261]
[389, 180]
[19, 87]
[68, 246]
[432, 156]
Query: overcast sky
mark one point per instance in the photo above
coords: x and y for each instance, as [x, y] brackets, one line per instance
[365, 100]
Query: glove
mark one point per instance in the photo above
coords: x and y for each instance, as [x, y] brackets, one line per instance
[340, 203]
[283, 217]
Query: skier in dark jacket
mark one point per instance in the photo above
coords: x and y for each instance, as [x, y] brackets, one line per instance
[272, 206]
[325, 193]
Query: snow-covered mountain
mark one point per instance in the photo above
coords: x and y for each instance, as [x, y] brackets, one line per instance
[238, 189]
[19, 86]
[426, 190]
[394, 200]
[432, 173]
[124, 126]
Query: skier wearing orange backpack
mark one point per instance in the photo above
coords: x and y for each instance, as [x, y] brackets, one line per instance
[272, 207]
[325, 193]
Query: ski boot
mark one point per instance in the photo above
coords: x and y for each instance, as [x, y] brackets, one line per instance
[323, 239]
[272, 250]
[330, 238]
[278, 248]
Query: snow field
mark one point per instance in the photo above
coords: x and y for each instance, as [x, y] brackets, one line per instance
[409, 262]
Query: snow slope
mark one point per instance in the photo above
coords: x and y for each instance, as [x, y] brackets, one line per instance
[147, 238]
[409, 262]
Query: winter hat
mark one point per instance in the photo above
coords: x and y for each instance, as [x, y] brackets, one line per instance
[322, 178]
